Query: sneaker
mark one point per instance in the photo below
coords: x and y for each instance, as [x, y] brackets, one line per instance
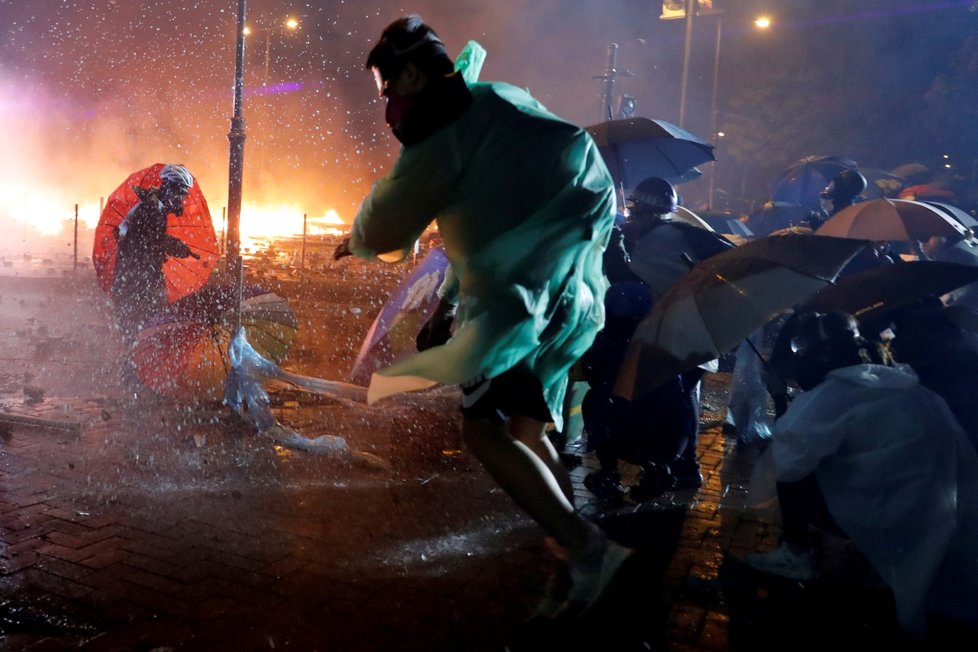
[593, 572]
[783, 562]
[606, 485]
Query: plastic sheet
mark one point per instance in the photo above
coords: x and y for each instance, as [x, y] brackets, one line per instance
[245, 393]
[747, 405]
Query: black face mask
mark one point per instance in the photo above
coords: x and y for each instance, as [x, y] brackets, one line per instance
[440, 102]
[398, 107]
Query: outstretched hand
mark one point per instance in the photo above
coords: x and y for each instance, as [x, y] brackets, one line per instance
[342, 249]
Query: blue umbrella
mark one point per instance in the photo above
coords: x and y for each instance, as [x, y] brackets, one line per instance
[803, 181]
[635, 149]
[393, 333]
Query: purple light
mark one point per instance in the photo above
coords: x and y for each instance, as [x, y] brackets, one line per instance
[275, 89]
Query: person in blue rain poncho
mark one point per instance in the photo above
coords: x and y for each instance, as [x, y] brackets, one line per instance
[525, 207]
[868, 453]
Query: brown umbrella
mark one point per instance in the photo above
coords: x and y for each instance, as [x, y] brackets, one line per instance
[723, 300]
[883, 220]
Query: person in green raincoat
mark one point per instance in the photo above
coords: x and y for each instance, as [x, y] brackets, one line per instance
[525, 207]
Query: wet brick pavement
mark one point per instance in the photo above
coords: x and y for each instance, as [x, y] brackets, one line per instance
[147, 527]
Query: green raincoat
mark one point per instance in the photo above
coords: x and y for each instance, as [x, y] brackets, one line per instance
[525, 207]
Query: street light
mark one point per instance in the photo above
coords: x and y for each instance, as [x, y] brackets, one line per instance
[290, 24]
[761, 23]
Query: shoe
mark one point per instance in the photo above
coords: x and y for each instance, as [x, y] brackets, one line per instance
[656, 480]
[688, 476]
[605, 485]
[593, 572]
[784, 563]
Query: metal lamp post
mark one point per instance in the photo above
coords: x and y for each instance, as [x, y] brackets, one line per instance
[236, 137]
[687, 49]
[714, 128]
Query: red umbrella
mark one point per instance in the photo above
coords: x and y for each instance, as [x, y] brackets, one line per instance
[194, 228]
[182, 353]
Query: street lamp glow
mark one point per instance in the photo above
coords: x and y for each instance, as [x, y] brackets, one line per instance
[762, 22]
[292, 23]
[246, 31]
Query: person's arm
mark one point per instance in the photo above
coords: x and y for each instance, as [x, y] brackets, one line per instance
[177, 248]
[403, 204]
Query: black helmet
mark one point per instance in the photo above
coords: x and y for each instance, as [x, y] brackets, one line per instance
[845, 186]
[821, 342]
[655, 195]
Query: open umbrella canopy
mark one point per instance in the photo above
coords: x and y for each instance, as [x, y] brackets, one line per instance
[727, 223]
[683, 214]
[637, 148]
[884, 220]
[183, 353]
[393, 334]
[803, 181]
[880, 183]
[964, 218]
[723, 300]
[194, 228]
[873, 292]
[664, 254]
[776, 215]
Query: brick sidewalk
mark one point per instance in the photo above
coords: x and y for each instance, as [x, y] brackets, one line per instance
[153, 527]
[156, 529]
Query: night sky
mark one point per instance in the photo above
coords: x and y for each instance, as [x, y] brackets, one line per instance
[91, 90]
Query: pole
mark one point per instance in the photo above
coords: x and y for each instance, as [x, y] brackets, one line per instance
[690, 10]
[302, 255]
[268, 52]
[714, 123]
[236, 138]
[74, 262]
[609, 83]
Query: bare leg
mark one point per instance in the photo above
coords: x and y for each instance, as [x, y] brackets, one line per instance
[527, 478]
[532, 434]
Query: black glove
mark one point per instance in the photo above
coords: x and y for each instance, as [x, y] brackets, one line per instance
[438, 329]
[342, 249]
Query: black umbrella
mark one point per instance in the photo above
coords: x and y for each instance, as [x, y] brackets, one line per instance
[805, 179]
[964, 218]
[878, 290]
[668, 251]
[726, 223]
[635, 149]
[775, 216]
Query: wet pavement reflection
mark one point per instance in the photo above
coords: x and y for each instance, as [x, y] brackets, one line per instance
[141, 525]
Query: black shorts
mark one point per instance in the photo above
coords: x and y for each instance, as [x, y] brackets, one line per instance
[509, 394]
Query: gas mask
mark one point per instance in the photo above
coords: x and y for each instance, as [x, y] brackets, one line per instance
[171, 196]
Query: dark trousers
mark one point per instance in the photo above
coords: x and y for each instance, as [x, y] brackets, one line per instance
[802, 504]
